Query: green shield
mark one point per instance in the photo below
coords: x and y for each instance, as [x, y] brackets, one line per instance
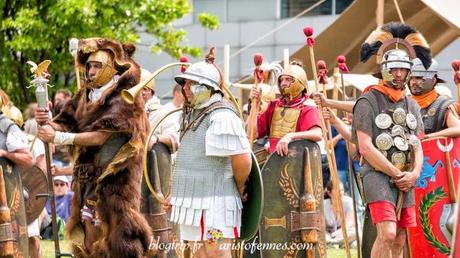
[280, 228]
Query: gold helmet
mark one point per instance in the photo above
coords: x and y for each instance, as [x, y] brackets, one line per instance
[299, 83]
[107, 70]
[14, 114]
[144, 76]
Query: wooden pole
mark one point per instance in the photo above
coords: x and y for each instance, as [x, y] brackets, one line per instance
[342, 68]
[379, 15]
[285, 57]
[308, 31]
[258, 59]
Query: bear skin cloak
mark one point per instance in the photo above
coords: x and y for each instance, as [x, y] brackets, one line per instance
[116, 182]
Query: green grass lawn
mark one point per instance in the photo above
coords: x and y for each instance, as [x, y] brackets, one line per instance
[48, 250]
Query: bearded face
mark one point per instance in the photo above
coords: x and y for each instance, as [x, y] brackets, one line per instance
[419, 85]
[396, 77]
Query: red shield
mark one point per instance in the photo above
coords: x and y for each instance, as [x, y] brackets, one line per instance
[433, 198]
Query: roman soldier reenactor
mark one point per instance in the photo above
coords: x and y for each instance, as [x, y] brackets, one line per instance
[386, 127]
[108, 135]
[212, 164]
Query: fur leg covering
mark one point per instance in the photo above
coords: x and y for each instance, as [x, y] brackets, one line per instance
[126, 232]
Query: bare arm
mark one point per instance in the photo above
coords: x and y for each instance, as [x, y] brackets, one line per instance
[314, 134]
[47, 133]
[346, 106]
[374, 157]
[241, 166]
[336, 139]
[343, 129]
[20, 157]
[91, 138]
[339, 125]
[65, 171]
[452, 130]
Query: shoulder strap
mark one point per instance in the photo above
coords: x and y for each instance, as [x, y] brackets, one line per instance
[208, 110]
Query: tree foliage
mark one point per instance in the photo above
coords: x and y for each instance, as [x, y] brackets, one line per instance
[41, 29]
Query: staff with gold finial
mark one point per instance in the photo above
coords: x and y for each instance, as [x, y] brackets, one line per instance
[258, 77]
[308, 31]
[40, 81]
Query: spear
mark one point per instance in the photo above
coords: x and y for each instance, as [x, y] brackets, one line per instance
[327, 136]
[258, 77]
[343, 68]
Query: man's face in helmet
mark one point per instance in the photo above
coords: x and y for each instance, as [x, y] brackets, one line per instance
[285, 82]
[195, 93]
[147, 94]
[418, 85]
[399, 75]
[188, 95]
[92, 68]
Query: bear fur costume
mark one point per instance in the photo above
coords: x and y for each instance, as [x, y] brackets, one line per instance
[115, 184]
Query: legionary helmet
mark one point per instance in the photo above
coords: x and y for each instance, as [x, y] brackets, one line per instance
[396, 45]
[207, 79]
[299, 84]
[107, 71]
[395, 58]
[429, 76]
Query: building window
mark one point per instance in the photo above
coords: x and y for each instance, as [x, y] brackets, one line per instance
[290, 8]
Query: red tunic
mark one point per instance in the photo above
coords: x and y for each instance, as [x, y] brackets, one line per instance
[309, 117]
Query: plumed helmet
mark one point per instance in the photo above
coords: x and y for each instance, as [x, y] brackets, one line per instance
[395, 35]
[203, 73]
[296, 71]
[144, 76]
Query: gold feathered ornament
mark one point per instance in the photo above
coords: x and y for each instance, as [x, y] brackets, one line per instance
[379, 41]
[39, 70]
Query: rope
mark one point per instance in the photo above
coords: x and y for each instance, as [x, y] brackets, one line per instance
[276, 29]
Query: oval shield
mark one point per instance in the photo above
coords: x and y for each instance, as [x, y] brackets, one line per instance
[159, 173]
[34, 181]
[282, 220]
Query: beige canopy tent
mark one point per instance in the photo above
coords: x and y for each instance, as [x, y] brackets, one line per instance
[437, 20]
